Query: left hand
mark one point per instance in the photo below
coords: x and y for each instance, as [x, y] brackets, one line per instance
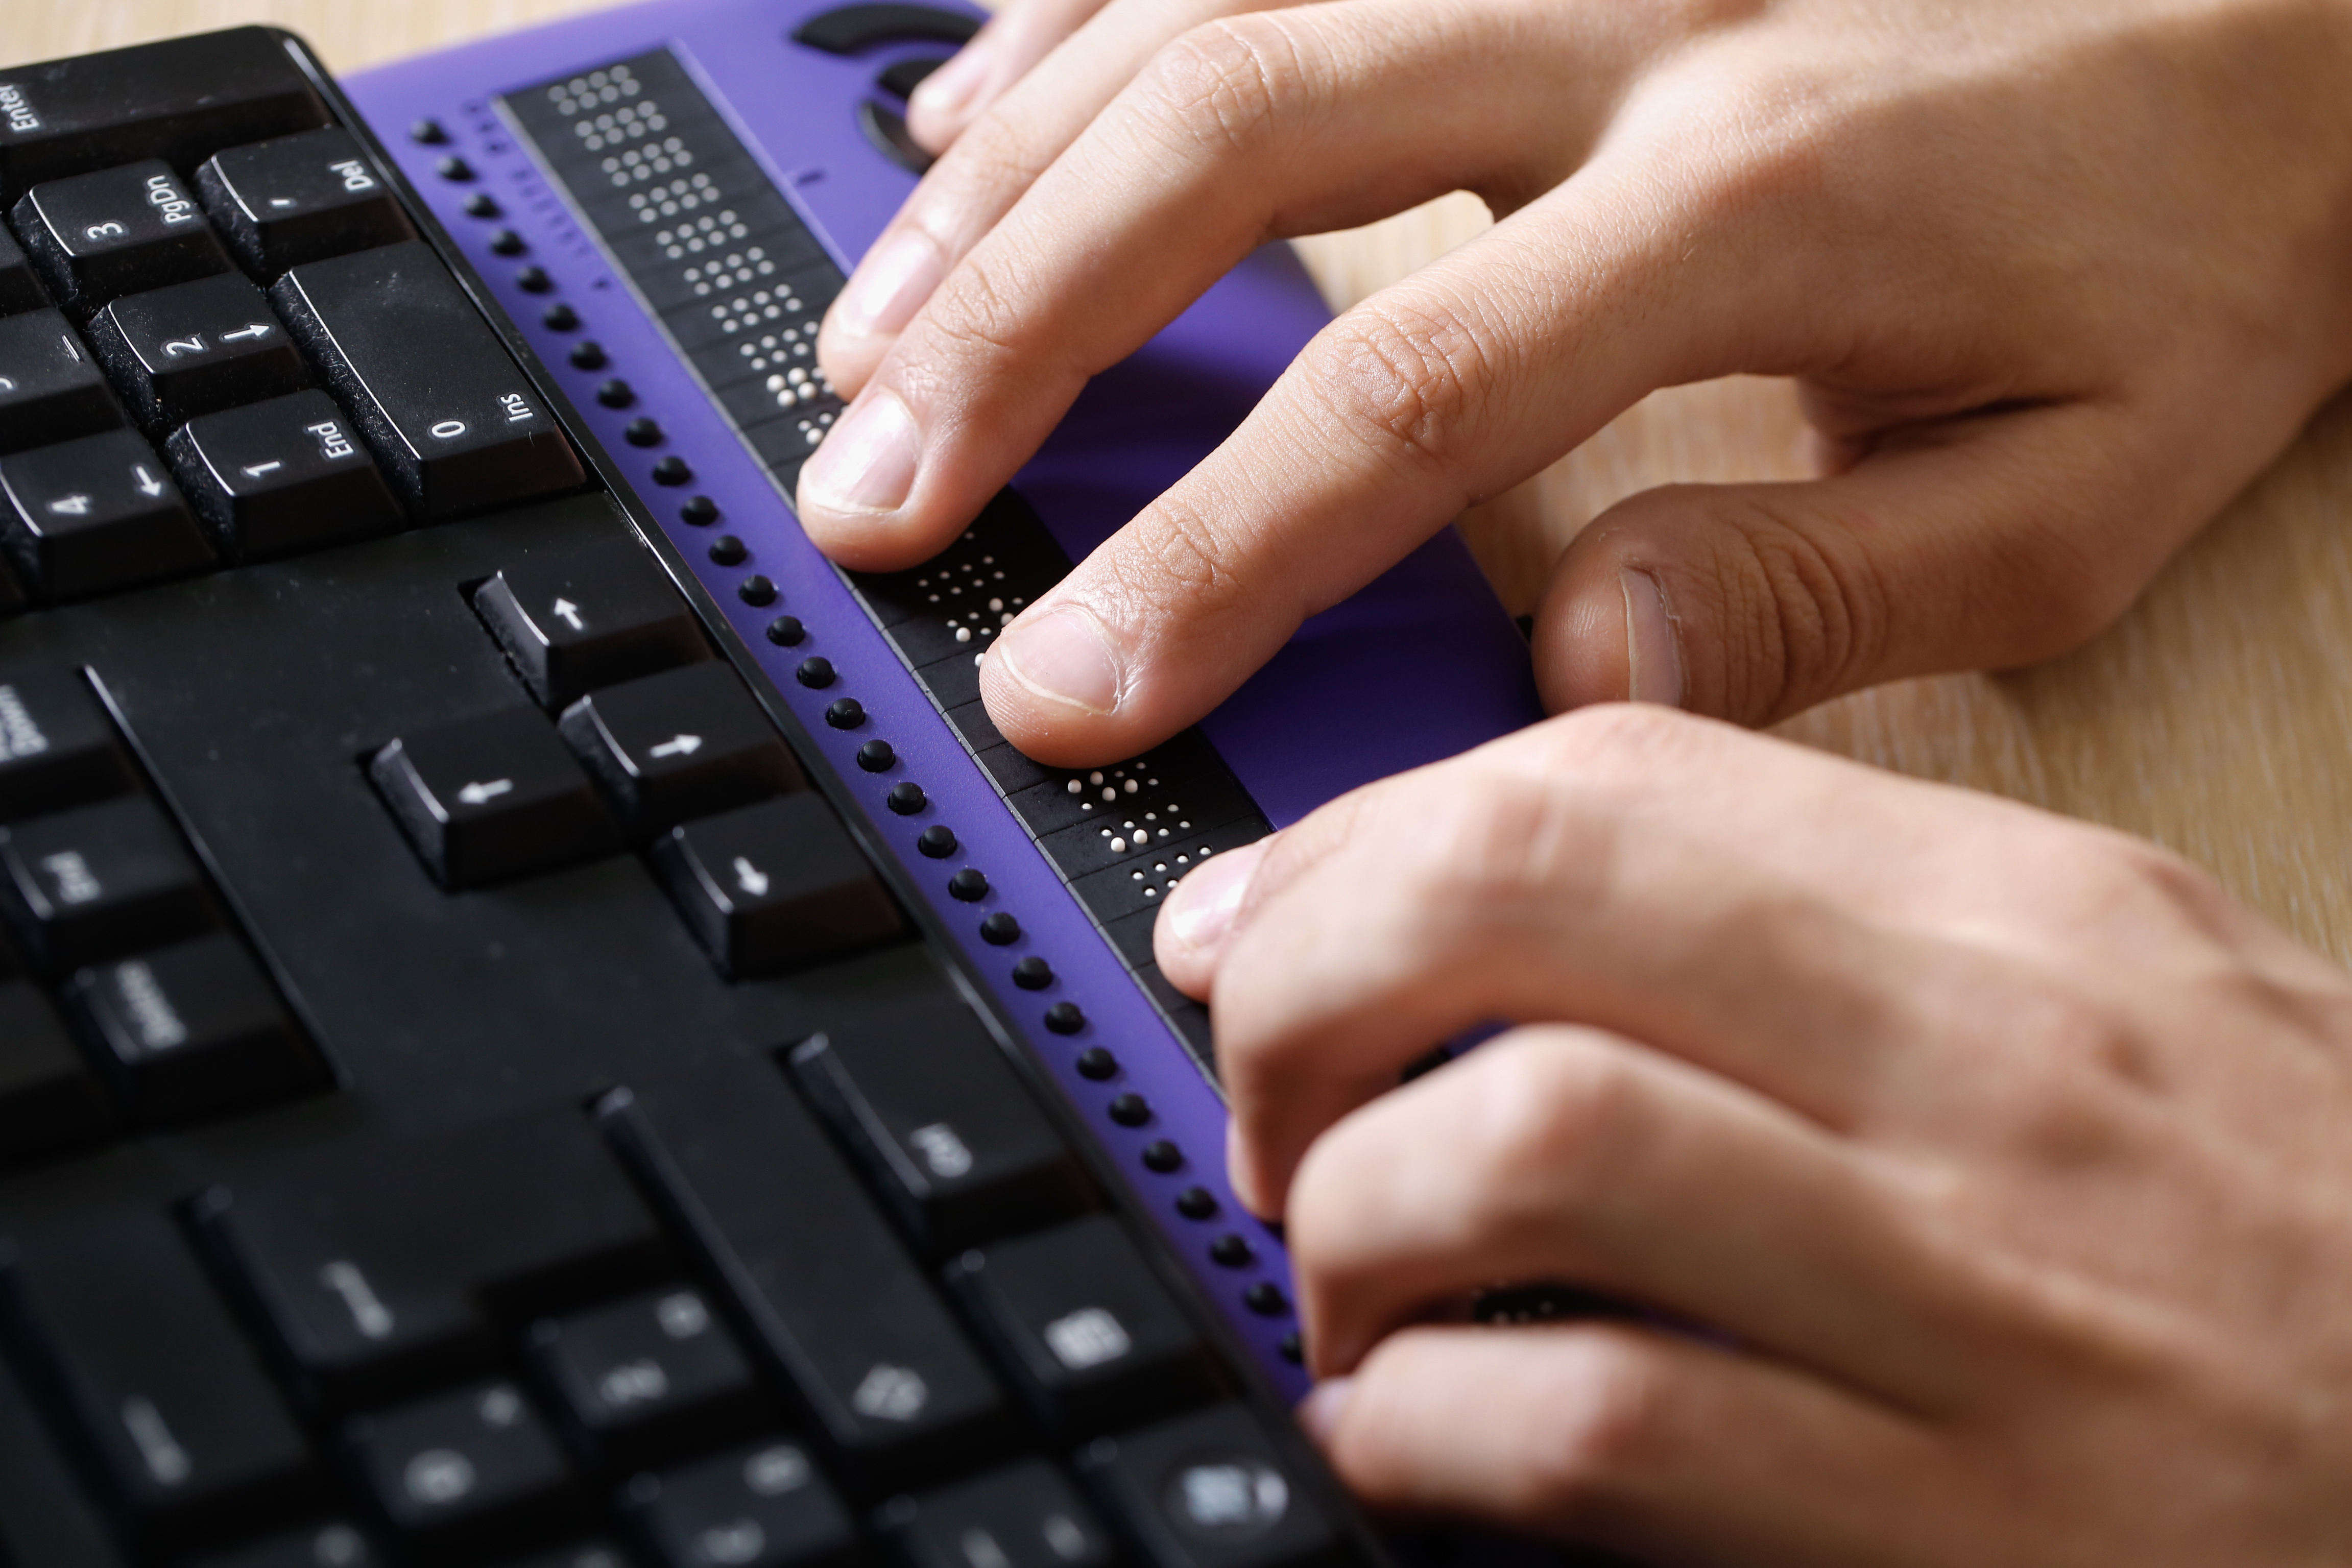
[2004, 1160]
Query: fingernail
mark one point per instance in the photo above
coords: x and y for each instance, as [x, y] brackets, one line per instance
[1654, 652]
[1319, 1411]
[1063, 657]
[1200, 910]
[950, 89]
[867, 463]
[891, 285]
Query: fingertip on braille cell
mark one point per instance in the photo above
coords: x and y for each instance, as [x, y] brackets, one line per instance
[1000, 929]
[815, 672]
[1162, 1156]
[970, 886]
[936, 842]
[906, 797]
[1033, 973]
[874, 756]
[1065, 1017]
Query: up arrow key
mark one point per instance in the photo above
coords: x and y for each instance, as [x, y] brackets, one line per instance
[677, 745]
[563, 610]
[479, 794]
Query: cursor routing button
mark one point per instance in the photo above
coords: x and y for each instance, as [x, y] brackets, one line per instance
[487, 799]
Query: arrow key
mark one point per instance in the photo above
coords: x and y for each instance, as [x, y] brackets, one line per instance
[682, 744]
[774, 886]
[193, 348]
[590, 617]
[486, 800]
[96, 515]
[287, 475]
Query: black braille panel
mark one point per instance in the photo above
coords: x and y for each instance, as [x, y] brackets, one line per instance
[756, 590]
[970, 885]
[874, 756]
[846, 713]
[938, 842]
[906, 797]
[729, 551]
[1096, 1063]
[786, 632]
[1033, 973]
[1197, 1202]
[1163, 1156]
[1000, 930]
[1128, 1109]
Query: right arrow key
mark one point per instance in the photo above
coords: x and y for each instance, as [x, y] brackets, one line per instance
[685, 743]
[490, 799]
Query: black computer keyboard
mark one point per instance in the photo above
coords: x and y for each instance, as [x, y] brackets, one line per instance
[471, 1089]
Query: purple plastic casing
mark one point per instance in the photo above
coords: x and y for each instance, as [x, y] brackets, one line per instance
[1422, 664]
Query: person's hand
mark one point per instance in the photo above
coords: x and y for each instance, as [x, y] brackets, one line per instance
[2001, 1163]
[2057, 279]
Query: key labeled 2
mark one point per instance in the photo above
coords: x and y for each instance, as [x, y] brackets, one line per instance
[193, 348]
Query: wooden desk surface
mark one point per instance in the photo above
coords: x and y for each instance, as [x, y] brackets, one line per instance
[2216, 717]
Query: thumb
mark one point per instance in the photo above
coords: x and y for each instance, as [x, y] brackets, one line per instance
[1984, 543]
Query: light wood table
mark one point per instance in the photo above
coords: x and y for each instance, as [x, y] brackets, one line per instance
[2214, 718]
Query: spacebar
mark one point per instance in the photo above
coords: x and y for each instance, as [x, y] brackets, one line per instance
[449, 413]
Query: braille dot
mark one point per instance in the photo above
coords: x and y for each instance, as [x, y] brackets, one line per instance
[756, 590]
[1231, 1252]
[846, 713]
[1163, 1156]
[1000, 930]
[672, 470]
[428, 131]
[559, 317]
[454, 168]
[729, 551]
[1293, 1348]
[970, 885]
[1128, 1109]
[874, 756]
[906, 797]
[699, 510]
[1076, 788]
[482, 204]
[936, 842]
[617, 393]
[786, 632]
[815, 671]
[588, 355]
[505, 242]
[1265, 1298]
[1033, 973]
[1197, 1202]
[533, 281]
[642, 430]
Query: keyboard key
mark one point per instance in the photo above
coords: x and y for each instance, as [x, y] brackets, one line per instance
[100, 882]
[51, 388]
[488, 799]
[1023, 1516]
[116, 231]
[846, 29]
[1095, 1335]
[20, 287]
[751, 1178]
[49, 1100]
[469, 1471]
[175, 101]
[336, 1543]
[57, 748]
[186, 1432]
[193, 348]
[685, 743]
[452, 418]
[588, 617]
[283, 476]
[95, 516]
[946, 1127]
[759, 1507]
[774, 887]
[579, 1554]
[383, 1265]
[1210, 1490]
[44, 1517]
[300, 198]
[191, 1030]
[646, 1379]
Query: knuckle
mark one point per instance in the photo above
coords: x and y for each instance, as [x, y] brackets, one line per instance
[1554, 1119]
[1175, 551]
[1222, 87]
[1613, 1419]
[1403, 370]
[976, 316]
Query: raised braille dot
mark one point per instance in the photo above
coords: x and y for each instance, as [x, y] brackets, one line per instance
[815, 672]
[1128, 1109]
[533, 281]
[936, 842]
[588, 355]
[786, 632]
[617, 393]
[454, 168]
[906, 797]
[428, 131]
[1292, 1348]
[672, 470]
[505, 242]
[756, 590]
[1000, 930]
[727, 550]
[1063, 1017]
[1163, 1156]
[846, 713]
[970, 885]
[874, 756]
[1265, 1298]
[1033, 973]
[482, 204]
[559, 317]
[642, 430]
[1231, 1252]
[699, 510]
[1197, 1202]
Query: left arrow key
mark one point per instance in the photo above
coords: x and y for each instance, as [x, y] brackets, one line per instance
[490, 799]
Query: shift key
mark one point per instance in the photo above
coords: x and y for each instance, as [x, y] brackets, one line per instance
[457, 426]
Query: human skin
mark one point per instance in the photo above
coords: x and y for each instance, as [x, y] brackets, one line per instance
[2055, 280]
[2001, 1160]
